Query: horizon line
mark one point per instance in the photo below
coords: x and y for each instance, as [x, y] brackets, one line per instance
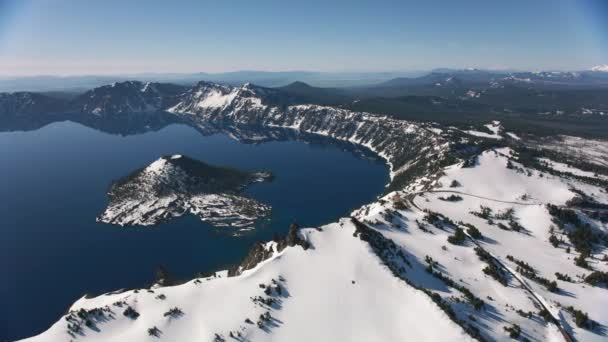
[178, 73]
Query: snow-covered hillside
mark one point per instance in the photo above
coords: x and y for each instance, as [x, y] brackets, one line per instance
[515, 227]
[337, 290]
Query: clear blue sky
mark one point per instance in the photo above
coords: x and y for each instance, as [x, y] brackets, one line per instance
[111, 37]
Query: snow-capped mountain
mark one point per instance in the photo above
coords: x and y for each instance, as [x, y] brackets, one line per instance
[207, 98]
[603, 68]
[175, 185]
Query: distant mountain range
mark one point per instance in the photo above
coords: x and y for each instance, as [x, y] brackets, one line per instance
[262, 78]
[572, 101]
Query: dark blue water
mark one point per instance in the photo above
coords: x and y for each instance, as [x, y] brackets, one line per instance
[53, 183]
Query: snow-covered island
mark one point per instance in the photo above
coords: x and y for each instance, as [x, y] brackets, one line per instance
[175, 185]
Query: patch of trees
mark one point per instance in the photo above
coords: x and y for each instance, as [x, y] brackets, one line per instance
[518, 169]
[515, 226]
[259, 252]
[507, 215]
[266, 301]
[530, 158]
[601, 216]
[437, 219]
[581, 235]
[265, 317]
[492, 269]
[581, 260]
[474, 331]
[458, 237]
[119, 303]
[422, 226]
[554, 241]
[431, 262]
[401, 205]
[546, 315]
[528, 314]
[451, 198]
[597, 278]
[514, 331]
[174, 312]
[484, 213]
[154, 331]
[563, 277]
[563, 215]
[470, 162]
[583, 238]
[131, 313]
[582, 200]
[237, 336]
[76, 319]
[472, 230]
[426, 164]
[445, 306]
[581, 319]
[529, 272]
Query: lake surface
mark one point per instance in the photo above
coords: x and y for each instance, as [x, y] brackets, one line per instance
[53, 183]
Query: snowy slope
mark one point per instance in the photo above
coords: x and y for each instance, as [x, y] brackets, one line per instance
[492, 184]
[338, 290]
[561, 167]
[495, 127]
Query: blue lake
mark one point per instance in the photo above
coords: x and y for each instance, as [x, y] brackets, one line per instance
[53, 183]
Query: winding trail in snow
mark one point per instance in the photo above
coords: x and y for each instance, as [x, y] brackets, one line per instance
[564, 206]
[537, 298]
[476, 196]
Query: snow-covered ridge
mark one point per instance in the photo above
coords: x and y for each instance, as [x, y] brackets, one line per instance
[603, 68]
[318, 294]
[518, 227]
[175, 185]
[403, 144]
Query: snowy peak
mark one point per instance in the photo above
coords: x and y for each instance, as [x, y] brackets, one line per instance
[204, 96]
[602, 68]
[208, 98]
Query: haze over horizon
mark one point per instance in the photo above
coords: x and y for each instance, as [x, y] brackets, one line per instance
[70, 37]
